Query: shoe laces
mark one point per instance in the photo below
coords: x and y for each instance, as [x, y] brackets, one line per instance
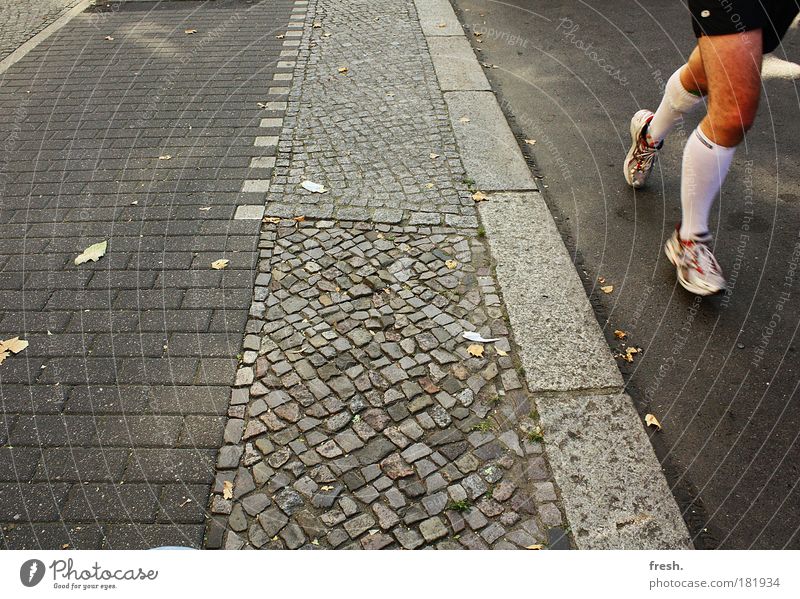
[700, 257]
[645, 155]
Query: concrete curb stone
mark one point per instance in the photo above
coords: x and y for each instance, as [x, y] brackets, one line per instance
[614, 492]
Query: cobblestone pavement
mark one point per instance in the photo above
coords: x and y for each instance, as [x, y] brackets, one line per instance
[360, 418]
[20, 20]
[112, 417]
[369, 133]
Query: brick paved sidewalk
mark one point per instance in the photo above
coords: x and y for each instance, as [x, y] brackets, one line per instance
[20, 20]
[111, 419]
[360, 418]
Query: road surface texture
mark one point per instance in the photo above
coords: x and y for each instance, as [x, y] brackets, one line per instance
[720, 373]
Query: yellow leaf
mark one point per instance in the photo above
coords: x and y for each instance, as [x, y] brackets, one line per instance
[271, 219]
[620, 334]
[220, 264]
[479, 196]
[607, 289]
[190, 31]
[299, 219]
[165, 157]
[629, 353]
[537, 547]
[13, 345]
[500, 352]
[343, 70]
[451, 264]
[652, 421]
[3, 356]
[93, 253]
[315, 542]
[476, 350]
[429, 185]
[227, 490]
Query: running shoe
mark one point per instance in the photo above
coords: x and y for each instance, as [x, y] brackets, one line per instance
[642, 156]
[697, 268]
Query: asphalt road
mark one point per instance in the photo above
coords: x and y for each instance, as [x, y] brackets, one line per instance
[720, 373]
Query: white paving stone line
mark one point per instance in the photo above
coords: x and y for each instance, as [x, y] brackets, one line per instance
[653, 518]
[261, 186]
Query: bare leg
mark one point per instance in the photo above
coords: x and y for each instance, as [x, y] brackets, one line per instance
[731, 71]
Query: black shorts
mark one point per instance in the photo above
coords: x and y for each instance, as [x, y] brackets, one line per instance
[723, 17]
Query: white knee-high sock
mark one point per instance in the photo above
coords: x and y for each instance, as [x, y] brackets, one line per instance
[675, 103]
[705, 166]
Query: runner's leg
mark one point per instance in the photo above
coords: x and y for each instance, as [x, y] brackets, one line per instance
[683, 93]
[732, 68]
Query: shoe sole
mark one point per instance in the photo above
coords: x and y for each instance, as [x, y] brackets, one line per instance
[674, 257]
[634, 130]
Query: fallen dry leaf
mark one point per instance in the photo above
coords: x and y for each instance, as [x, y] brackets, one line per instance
[601, 280]
[165, 157]
[13, 345]
[451, 264]
[205, 209]
[299, 219]
[607, 289]
[317, 25]
[93, 252]
[434, 156]
[109, 38]
[280, 37]
[441, 25]
[220, 264]
[530, 142]
[620, 334]
[190, 31]
[500, 352]
[479, 196]
[3, 356]
[343, 70]
[475, 350]
[629, 353]
[271, 219]
[464, 119]
[227, 490]
[652, 421]
[537, 546]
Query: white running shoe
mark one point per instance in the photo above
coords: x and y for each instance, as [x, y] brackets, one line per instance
[697, 268]
[642, 156]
